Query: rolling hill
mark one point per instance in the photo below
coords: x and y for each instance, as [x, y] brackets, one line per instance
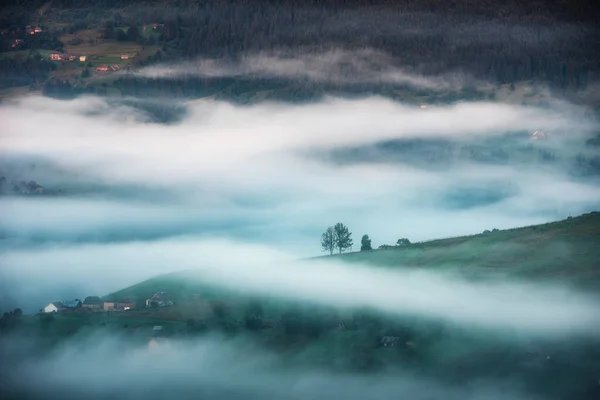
[568, 251]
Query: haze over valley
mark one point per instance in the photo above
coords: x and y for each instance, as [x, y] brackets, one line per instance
[296, 200]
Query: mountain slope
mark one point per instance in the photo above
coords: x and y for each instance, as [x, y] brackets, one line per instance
[567, 251]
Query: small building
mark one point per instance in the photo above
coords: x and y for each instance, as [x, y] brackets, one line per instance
[109, 306]
[123, 306]
[115, 67]
[423, 106]
[72, 304]
[53, 307]
[55, 57]
[161, 299]
[124, 57]
[82, 58]
[37, 29]
[102, 68]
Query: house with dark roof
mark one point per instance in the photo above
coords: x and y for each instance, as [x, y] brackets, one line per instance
[72, 304]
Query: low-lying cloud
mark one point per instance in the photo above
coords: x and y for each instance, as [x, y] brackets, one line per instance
[335, 66]
[254, 171]
[539, 309]
[208, 369]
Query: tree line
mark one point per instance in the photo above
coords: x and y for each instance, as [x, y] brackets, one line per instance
[338, 237]
[231, 28]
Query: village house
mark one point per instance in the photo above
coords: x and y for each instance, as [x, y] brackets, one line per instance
[58, 306]
[55, 57]
[53, 307]
[161, 299]
[118, 306]
[72, 304]
[102, 68]
[82, 58]
[115, 67]
[32, 30]
[124, 57]
[122, 306]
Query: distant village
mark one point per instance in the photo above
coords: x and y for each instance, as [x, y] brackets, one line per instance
[82, 58]
[57, 56]
[96, 304]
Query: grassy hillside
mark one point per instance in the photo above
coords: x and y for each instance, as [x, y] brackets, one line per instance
[354, 340]
[567, 250]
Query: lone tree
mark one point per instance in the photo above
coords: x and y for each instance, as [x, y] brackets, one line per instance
[342, 237]
[365, 243]
[403, 242]
[328, 240]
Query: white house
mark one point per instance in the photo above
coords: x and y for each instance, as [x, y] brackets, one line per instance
[53, 307]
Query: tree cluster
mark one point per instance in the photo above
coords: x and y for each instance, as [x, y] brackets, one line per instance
[336, 237]
[10, 319]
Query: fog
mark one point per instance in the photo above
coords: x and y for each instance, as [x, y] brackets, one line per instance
[236, 197]
[210, 368]
[538, 309]
[334, 66]
[267, 173]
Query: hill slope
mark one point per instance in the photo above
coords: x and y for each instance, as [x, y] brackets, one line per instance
[567, 250]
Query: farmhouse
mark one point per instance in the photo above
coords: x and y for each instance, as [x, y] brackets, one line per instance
[161, 299]
[72, 304]
[115, 67]
[55, 57]
[82, 58]
[124, 57]
[118, 306]
[124, 306]
[53, 307]
[102, 68]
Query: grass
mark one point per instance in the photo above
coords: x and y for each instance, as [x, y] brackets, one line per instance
[566, 251]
